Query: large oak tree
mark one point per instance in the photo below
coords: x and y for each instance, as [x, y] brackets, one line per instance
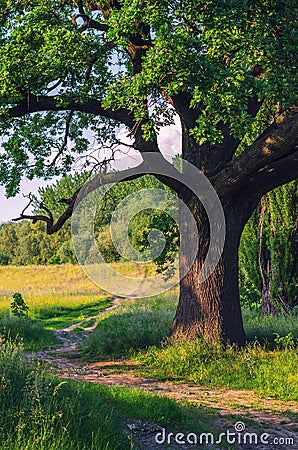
[225, 67]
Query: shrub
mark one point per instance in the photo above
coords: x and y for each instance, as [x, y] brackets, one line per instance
[18, 305]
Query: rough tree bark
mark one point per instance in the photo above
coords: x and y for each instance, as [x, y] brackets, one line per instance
[212, 309]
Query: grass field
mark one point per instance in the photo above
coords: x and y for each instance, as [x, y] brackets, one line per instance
[58, 295]
[38, 411]
[46, 286]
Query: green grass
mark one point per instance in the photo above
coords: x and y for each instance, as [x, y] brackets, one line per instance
[270, 373]
[38, 411]
[265, 328]
[47, 287]
[139, 329]
[50, 286]
[134, 326]
[57, 317]
[57, 296]
[32, 332]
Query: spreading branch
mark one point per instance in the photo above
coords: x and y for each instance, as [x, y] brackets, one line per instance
[273, 147]
[53, 226]
[274, 175]
[40, 103]
[210, 162]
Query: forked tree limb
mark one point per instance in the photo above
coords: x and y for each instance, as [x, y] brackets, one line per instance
[275, 147]
[53, 226]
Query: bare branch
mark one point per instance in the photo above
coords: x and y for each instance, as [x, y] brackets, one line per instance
[63, 146]
[100, 180]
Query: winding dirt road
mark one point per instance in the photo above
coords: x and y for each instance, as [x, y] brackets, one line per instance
[268, 415]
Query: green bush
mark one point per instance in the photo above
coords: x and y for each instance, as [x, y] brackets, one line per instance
[55, 259]
[18, 305]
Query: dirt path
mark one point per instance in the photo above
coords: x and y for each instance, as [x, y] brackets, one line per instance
[268, 415]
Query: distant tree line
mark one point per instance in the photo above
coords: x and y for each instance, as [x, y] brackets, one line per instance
[268, 255]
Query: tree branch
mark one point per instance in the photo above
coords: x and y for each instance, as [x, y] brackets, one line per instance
[277, 142]
[63, 146]
[100, 180]
[274, 175]
[169, 176]
[89, 23]
[33, 103]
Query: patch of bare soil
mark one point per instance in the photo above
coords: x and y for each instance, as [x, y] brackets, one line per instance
[258, 414]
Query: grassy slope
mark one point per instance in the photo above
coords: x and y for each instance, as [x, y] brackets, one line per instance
[57, 296]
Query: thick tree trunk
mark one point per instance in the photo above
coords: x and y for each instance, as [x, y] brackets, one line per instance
[211, 309]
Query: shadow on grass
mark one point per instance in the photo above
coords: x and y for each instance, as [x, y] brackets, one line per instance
[267, 329]
[62, 316]
[32, 332]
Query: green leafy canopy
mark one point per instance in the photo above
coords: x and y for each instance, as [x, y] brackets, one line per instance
[219, 52]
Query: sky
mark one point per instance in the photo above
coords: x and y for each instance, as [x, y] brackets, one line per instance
[170, 144]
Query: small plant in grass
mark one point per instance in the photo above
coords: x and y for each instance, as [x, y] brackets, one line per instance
[287, 341]
[18, 306]
[55, 259]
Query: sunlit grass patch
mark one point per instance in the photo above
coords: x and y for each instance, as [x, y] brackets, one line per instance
[134, 325]
[40, 412]
[49, 286]
[270, 373]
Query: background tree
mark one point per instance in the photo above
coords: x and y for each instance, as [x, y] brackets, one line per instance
[268, 251]
[25, 244]
[226, 68]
